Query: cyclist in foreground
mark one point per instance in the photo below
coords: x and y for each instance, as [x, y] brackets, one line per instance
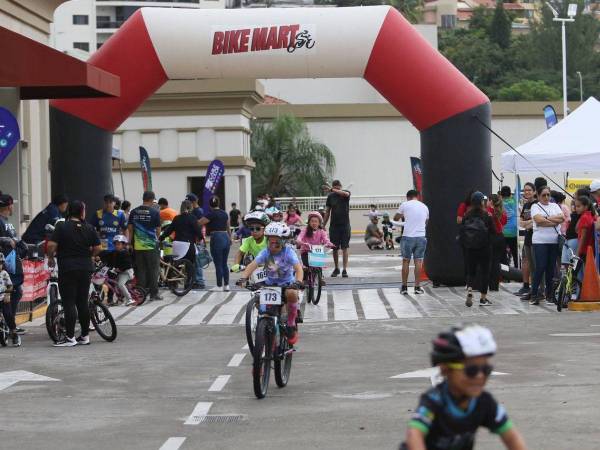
[450, 413]
[251, 246]
[284, 270]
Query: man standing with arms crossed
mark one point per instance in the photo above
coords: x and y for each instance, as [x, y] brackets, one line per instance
[415, 215]
[338, 210]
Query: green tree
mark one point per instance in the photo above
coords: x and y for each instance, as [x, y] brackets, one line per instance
[500, 26]
[412, 10]
[529, 90]
[481, 19]
[289, 162]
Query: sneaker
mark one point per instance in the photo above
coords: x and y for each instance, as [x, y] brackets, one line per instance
[484, 302]
[226, 288]
[522, 291]
[336, 272]
[21, 330]
[469, 301]
[404, 290]
[534, 301]
[419, 290]
[16, 339]
[293, 335]
[156, 297]
[344, 274]
[323, 282]
[526, 297]
[216, 289]
[198, 286]
[131, 303]
[66, 342]
[83, 340]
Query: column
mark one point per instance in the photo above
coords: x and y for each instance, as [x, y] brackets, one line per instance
[232, 190]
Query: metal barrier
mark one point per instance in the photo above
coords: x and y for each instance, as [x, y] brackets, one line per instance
[357, 202]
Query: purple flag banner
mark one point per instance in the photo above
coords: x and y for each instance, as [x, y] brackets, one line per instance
[146, 169]
[9, 133]
[214, 175]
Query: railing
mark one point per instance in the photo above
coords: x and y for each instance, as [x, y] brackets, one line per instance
[109, 24]
[357, 202]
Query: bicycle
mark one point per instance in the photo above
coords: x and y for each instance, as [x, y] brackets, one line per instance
[251, 318]
[4, 331]
[569, 285]
[314, 273]
[176, 274]
[52, 296]
[105, 276]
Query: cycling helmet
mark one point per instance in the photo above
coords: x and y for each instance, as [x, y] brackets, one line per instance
[278, 229]
[272, 211]
[459, 343]
[316, 214]
[386, 214]
[257, 217]
[120, 238]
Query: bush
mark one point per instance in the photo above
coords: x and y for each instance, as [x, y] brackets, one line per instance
[528, 90]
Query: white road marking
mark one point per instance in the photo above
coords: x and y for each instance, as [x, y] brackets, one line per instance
[219, 383]
[236, 360]
[459, 303]
[198, 414]
[196, 315]
[173, 443]
[166, 315]
[226, 313]
[433, 373]
[575, 334]
[7, 379]
[246, 347]
[401, 305]
[343, 306]
[318, 312]
[372, 305]
[139, 313]
[431, 305]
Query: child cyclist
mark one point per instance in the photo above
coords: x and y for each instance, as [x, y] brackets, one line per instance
[120, 260]
[255, 243]
[450, 413]
[283, 269]
[313, 234]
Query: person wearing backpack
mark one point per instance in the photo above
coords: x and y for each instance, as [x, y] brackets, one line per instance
[476, 234]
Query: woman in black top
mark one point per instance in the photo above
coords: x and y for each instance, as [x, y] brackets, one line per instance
[186, 229]
[217, 227]
[75, 242]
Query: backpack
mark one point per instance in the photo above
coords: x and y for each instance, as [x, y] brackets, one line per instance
[474, 232]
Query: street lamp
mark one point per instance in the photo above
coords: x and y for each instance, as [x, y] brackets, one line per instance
[571, 12]
[580, 86]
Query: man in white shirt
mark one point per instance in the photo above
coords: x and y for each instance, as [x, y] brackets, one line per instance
[415, 215]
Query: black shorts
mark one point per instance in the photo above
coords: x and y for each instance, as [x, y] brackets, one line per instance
[340, 236]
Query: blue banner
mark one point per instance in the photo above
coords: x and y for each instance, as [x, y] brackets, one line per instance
[214, 175]
[550, 116]
[9, 133]
[146, 169]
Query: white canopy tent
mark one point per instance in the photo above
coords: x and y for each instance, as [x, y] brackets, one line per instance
[570, 145]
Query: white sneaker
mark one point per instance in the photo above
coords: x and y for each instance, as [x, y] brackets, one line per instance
[131, 303]
[83, 340]
[216, 289]
[66, 342]
[226, 288]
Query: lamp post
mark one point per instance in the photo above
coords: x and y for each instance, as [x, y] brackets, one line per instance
[580, 87]
[571, 12]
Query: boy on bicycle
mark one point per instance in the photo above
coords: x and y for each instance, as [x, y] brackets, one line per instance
[120, 260]
[450, 413]
[283, 268]
[251, 246]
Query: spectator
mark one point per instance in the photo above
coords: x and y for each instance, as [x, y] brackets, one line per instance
[118, 203]
[144, 228]
[234, 217]
[388, 236]
[511, 229]
[198, 212]
[75, 243]
[126, 208]
[585, 225]
[166, 214]
[526, 222]
[373, 236]
[547, 218]
[464, 207]
[559, 198]
[109, 222]
[292, 218]
[219, 230]
[338, 210]
[496, 210]
[373, 211]
[571, 233]
[186, 229]
[477, 229]
[36, 231]
[413, 244]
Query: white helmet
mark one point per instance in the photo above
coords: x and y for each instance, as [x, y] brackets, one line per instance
[278, 229]
[120, 238]
[595, 186]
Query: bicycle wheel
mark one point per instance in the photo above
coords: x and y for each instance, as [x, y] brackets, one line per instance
[3, 331]
[319, 280]
[310, 288]
[251, 322]
[283, 363]
[102, 319]
[138, 294]
[261, 365]
[560, 293]
[180, 277]
[55, 321]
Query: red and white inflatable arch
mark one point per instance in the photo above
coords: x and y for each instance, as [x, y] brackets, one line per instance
[377, 43]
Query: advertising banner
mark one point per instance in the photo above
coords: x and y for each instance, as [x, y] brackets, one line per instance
[9, 133]
[550, 116]
[577, 183]
[214, 175]
[417, 173]
[146, 169]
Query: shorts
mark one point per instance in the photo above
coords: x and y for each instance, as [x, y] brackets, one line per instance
[373, 241]
[566, 254]
[413, 247]
[340, 236]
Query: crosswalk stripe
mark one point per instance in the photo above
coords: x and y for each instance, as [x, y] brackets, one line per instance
[166, 315]
[458, 303]
[196, 315]
[432, 306]
[226, 313]
[191, 298]
[400, 304]
[343, 306]
[318, 312]
[372, 305]
[516, 303]
[139, 313]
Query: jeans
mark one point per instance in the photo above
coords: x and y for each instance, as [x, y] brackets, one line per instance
[147, 270]
[219, 250]
[479, 258]
[74, 288]
[9, 310]
[199, 279]
[545, 264]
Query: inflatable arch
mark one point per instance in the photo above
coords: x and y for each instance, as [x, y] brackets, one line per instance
[377, 43]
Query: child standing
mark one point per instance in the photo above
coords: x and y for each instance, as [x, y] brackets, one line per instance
[6, 287]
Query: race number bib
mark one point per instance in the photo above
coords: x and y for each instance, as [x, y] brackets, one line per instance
[270, 296]
[104, 244]
[319, 249]
[103, 271]
[259, 276]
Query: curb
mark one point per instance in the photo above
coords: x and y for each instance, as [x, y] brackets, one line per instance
[28, 317]
[584, 306]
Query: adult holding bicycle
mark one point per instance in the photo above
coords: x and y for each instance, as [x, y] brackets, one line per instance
[186, 230]
[74, 242]
[219, 230]
[255, 243]
[284, 270]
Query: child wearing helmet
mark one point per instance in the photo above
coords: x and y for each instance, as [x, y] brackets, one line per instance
[6, 287]
[450, 413]
[388, 236]
[120, 260]
[313, 234]
[274, 214]
[283, 268]
[251, 246]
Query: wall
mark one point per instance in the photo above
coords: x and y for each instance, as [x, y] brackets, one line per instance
[64, 33]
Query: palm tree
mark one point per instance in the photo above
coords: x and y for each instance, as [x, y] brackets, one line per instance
[289, 162]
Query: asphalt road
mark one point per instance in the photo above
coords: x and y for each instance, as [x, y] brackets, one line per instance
[139, 391]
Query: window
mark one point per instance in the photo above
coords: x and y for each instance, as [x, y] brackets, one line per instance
[448, 21]
[85, 46]
[80, 19]
[98, 45]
